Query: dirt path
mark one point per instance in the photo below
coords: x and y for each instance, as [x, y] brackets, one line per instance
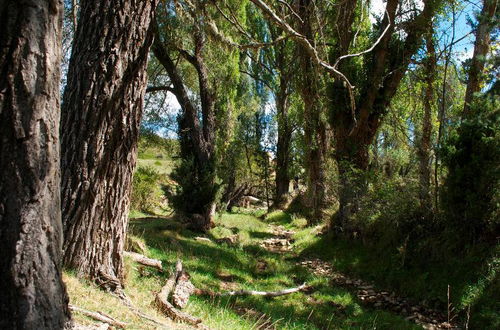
[366, 292]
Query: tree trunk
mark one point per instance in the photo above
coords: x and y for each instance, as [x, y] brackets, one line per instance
[424, 148]
[282, 148]
[32, 295]
[355, 129]
[101, 112]
[197, 172]
[481, 49]
[315, 128]
[352, 154]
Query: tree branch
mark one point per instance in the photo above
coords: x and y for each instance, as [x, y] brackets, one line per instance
[153, 89]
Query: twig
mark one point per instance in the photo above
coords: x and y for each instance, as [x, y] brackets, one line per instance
[99, 317]
[271, 294]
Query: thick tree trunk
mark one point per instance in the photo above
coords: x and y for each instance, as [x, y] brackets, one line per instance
[32, 293]
[424, 148]
[481, 49]
[315, 131]
[352, 154]
[101, 111]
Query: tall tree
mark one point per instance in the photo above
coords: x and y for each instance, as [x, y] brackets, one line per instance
[189, 63]
[315, 126]
[486, 22]
[355, 126]
[101, 111]
[424, 147]
[33, 295]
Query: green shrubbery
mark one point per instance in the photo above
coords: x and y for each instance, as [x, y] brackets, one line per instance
[146, 193]
[471, 191]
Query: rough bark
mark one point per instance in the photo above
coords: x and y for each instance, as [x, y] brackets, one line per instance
[101, 111]
[32, 295]
[481, 49]
[315, 130]
[197, 138]
[424, 148]
[282, 180]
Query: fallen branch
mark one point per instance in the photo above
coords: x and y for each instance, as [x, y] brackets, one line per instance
[166, 307]
[252, 292]
[99, 317]
[127, 302]
[143, 260]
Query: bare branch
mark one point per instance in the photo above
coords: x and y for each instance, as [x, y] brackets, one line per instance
[153, 89]
[312, 50]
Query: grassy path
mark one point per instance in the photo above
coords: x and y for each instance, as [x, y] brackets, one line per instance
[267, 256]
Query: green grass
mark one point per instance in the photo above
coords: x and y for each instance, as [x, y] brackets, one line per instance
[221, 267]
[211, 265]
[473, 280]
[163, 166]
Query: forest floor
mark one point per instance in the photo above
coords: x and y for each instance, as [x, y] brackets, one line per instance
[264, 253]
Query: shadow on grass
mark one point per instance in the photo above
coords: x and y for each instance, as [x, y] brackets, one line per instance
[473, 277]
[253, 267]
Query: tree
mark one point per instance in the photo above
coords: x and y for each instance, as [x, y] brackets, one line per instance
[185, 47]
[424, 147]
[101, 111]
[33, 295]
[486, 23]
[355, 124]
[315, 126]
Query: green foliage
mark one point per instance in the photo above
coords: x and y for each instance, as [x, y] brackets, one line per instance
[471, 191]
[197, 186]
[146, 194]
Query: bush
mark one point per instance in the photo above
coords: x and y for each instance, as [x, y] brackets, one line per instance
[146, 193]
[471, 191]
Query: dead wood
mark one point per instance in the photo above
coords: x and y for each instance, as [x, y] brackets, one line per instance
[183, 290]
[166, 307]
[143, 260]
[99, 317]
[271, 294]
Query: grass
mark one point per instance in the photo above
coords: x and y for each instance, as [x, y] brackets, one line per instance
[473, 279]
[220, 267]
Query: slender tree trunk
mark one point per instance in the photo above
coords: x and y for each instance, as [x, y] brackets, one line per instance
[282, 149]
[197, 138]
[315, 130]
[481, 49]
[32, 293]
[424, 148]
[101, 111]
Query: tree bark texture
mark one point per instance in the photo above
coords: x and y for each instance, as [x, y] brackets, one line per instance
[315, 130]
[32, 293]
[355, 129]
[424, 148]
[197, 174]
[282, 180]
[101, 112]
[481, 49]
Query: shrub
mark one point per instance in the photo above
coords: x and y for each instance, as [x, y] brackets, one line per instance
[146, 194]
[471, 191]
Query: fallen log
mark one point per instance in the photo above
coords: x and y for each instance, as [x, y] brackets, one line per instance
[166, 307]
[183, 290]
[143, 260]
[271, 294]
[98, 316]
[203, 239]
